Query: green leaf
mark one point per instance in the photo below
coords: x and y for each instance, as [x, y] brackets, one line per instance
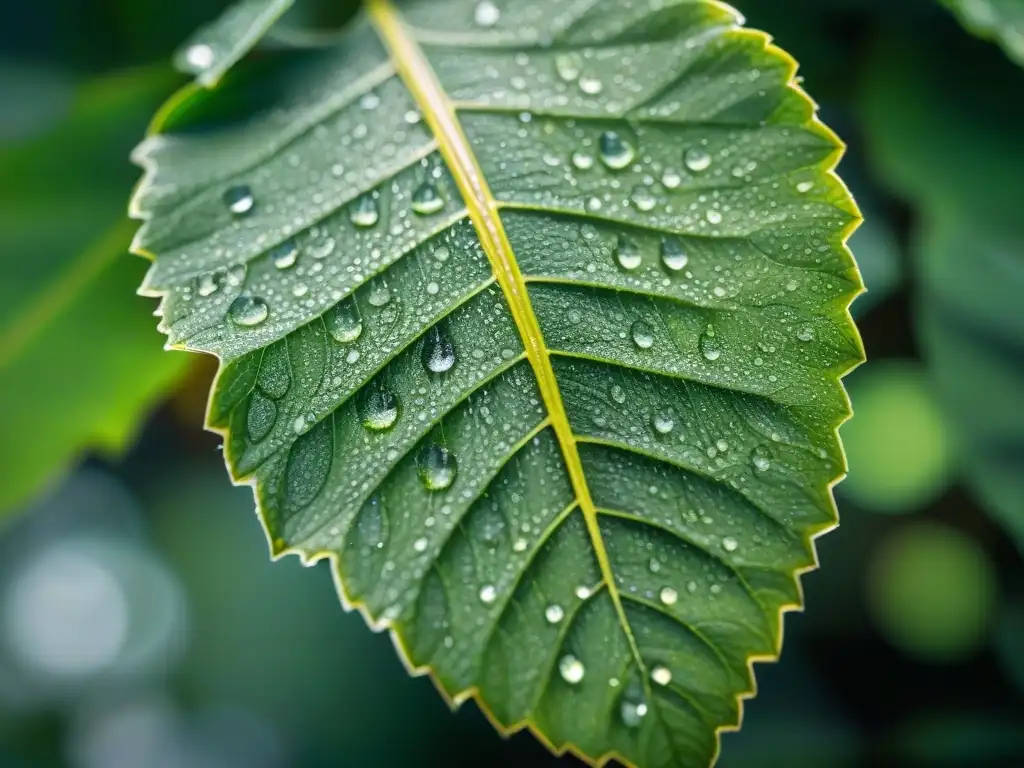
[943, 134]
[78, 366]
[219, 45]
[1000, 20]
[531, 321]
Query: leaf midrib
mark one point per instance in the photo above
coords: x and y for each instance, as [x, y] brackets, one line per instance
[440, 115]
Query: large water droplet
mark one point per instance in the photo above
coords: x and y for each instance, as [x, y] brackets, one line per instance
[729, 544]
[709, 346]
[697, 160]
[554, 614]
[663, 422]
[488, 594]
[344, 323]
[643, 334]
[486, 14]
[364, 211]
[200, 56]
[240, 200]
[582, 592]
[627, 253]
[661, 674]
[380, 294]
[582, 161]
[284, 255]
[438, 351]
[761, 458]
[426, 200]
[571, 669]
[643, 199]
[616, 152]
[380, 409]
[211, 282]
[591, 85]
[668, 596]
[321, 247]
[673, 254]
[248, 311]
[437, 467]
[633, 711]
[568, 66]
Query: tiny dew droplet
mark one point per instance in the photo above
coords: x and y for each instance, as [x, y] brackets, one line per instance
[668, 596]
[643, 334]
[248, 311]
[381, 409]
[438, 351]
[420, 545]
[520, 545]
[582, 161]
[437, 467]
[616, 152]
[571, 669]
[426, 200]
[364, 211]
[285, 254]
[240, 200]
[663, 422]
[488, 594]
[709, 345]
[322, 247]
[582, 592]
[713, 216]
[761, 458]
[200, 56]
[344, 323]
[627, 253]
[729, 544]
[210, 283]
[591, 85]
[554, 614]
[486, 14]
[661, 675]
[380, 294]
[804, 187]
[568, 66]
[673, 254]
[697, 160]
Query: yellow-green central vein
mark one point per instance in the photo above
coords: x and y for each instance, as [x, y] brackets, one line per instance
[439, 113]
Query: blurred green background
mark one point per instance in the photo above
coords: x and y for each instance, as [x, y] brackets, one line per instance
[141, 622]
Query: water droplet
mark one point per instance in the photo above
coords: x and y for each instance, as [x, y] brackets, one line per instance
[805, 334]
[380, 294]
[344, 323]
[240, 200]
[420, 545]
[671, 178]
[668, 596]
[643, 334]
[661, 675]
[364, 211]
[210, 283]
[568, 66]
[321, 247]
[380, 409]
[554, 614]
[616, 152]
[654, 564]
[520, 545]
[488, 594]
[426, 200]
[627, 253]
[697, 160]
[442, 253]
[486, 14]
[582, 161]
[729, 544]
[437, 467]
[709, 346]
[285, 255]
[713, 216]
[633, 711]
[663, 422]
[591, 85]
[804, 187]
[673, 254]
[438, 351]
[618, 394]
[582, 592]
[200, 56]
[571, 669]
[433, 288]
[761, 458]
[248, 311]
[302, 423]
[643, 199]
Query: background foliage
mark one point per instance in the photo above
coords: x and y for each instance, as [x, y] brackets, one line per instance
[207, 655]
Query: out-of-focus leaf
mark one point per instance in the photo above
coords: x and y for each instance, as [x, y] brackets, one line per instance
[218, 46]
[78, 366]
[944, 135]
[1000, 20]
[532, 316]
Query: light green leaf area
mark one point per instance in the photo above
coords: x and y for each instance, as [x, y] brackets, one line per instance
[950, 143]
[79, 366]
[219, 45]
[1000, 20]
[532, 317]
